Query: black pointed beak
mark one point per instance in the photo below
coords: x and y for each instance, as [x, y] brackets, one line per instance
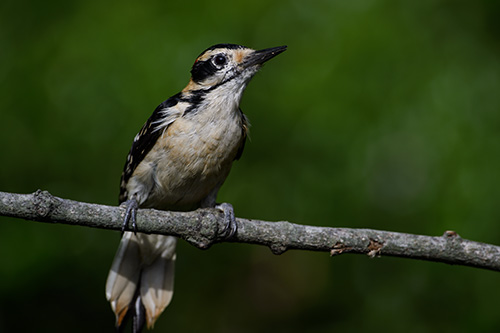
[261, 56]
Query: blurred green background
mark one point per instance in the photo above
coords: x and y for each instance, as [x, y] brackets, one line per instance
[381, 114]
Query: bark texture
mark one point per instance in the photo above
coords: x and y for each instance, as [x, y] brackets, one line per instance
[204, 227]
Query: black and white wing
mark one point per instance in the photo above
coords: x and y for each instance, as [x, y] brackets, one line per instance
[146, 139]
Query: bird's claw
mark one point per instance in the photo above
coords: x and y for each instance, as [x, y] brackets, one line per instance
[230, 226]
[130, 214]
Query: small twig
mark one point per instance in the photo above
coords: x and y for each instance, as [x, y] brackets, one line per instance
[205, 227]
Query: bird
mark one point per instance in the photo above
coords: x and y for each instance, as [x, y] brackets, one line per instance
[178, 161]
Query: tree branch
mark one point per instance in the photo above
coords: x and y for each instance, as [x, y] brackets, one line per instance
[204, 227]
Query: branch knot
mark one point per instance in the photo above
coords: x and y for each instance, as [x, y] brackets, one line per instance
[44, 203]
[375, 248]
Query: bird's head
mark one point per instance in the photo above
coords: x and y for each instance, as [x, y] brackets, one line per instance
[224, 63]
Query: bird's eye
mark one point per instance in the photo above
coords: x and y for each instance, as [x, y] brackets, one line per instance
[219, 60]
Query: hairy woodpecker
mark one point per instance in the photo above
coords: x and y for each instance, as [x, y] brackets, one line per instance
[178, 161]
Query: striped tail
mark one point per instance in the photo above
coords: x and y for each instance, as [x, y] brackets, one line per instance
[141, 280]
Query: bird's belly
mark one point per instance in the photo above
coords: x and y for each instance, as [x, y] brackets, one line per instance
[191, 162]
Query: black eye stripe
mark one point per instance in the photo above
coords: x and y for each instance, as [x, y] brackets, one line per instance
[202, 70]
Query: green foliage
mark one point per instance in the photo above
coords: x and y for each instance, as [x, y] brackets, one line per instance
[381, 114]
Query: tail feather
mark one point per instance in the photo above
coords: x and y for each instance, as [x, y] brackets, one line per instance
[141, 277]
[138, 316]
[157, 287]
[124, 276]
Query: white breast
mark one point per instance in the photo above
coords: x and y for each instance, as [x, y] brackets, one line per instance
[192, 157]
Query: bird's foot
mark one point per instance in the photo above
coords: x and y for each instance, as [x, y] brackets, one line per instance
[230, 226]
[130, 214]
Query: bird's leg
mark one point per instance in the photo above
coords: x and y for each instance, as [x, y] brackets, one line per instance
[230, 226]
[130, 214]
